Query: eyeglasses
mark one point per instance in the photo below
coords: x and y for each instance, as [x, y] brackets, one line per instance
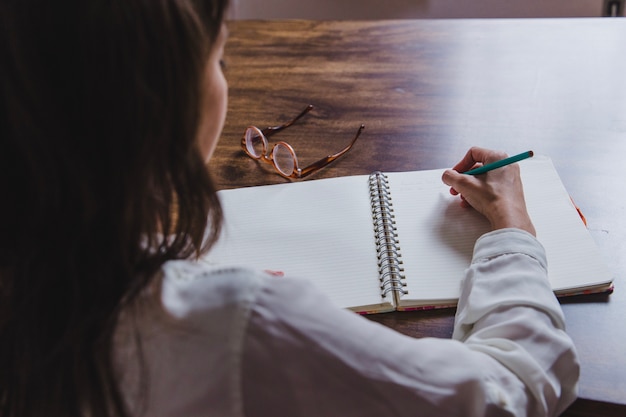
[282, 155]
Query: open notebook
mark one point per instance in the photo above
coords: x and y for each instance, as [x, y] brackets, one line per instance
[395, 241]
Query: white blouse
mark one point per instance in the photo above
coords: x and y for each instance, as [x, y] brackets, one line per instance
[236, 342]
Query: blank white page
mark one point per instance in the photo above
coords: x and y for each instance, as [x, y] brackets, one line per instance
[574, 260]
[318, 230]
[436, 234]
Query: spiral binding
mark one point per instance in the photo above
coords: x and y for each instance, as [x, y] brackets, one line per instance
[390, 271]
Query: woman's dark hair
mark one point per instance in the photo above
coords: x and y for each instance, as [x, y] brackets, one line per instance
[101, 179]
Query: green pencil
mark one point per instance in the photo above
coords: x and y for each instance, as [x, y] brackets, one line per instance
[498, 164]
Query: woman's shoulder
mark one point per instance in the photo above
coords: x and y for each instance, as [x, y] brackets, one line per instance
[191, 326]
[196, 291]
[188, 287]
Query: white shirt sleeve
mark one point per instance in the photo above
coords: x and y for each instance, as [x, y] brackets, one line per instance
[510, 356]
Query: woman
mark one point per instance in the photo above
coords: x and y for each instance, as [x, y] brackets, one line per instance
[109, 111]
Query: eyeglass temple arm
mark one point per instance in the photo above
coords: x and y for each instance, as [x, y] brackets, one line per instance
[330, 158]
[270, 130]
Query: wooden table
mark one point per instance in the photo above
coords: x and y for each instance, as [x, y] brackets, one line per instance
[428, 90]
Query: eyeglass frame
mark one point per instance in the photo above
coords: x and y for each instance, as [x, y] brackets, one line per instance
[297, 172]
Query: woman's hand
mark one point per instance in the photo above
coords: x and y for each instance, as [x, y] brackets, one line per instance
[497, 194]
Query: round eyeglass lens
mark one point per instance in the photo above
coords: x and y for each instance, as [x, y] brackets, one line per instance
[255, 142]
[284, 159]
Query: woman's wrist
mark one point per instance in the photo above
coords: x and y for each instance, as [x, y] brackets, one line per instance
[516, 218]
